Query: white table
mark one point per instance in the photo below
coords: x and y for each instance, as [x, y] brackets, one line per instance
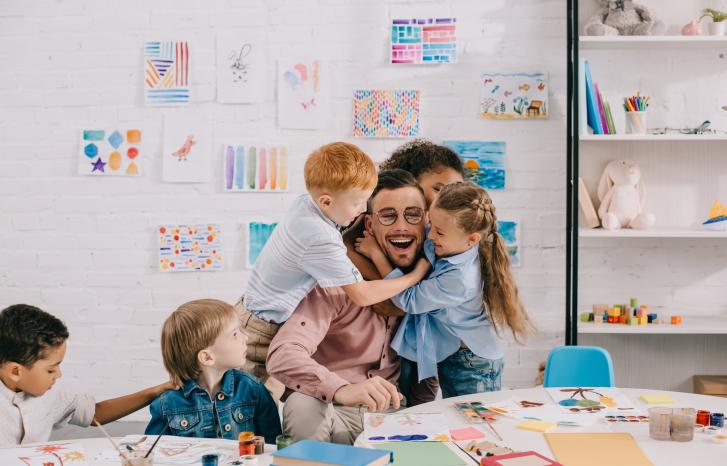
[702, 450]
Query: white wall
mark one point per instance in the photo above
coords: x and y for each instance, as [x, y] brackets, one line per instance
[85, 248]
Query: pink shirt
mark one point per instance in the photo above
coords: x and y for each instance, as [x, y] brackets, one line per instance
[329, 342]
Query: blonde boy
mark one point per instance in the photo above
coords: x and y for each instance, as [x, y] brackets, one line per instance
[306, 249]
[202, 346]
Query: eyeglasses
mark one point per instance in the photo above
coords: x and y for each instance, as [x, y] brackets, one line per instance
[412, 215]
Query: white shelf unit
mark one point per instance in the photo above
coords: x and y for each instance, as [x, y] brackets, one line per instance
[650, 42]
[651, 233]
[691, 325]
[653, 137]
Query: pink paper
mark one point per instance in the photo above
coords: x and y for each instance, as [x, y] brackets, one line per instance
[467, 433]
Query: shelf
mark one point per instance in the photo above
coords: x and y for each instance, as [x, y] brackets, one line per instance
[650, 233]
[715, 325]
[649, 42]
[652, 137]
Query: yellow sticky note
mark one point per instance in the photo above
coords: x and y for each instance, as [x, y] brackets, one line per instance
[657, 399]
[537, 426]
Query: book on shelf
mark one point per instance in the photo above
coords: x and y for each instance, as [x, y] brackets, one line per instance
[589, 211]
[594, 109]
[593, 115]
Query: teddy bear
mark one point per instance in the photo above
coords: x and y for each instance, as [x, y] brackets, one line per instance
[623, 195]
[625, 18]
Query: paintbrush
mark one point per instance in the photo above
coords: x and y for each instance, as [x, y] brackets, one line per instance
[492, 428]
[116, 447]
[155, 441]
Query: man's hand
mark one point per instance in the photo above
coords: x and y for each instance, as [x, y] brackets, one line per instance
[376, 394]
[367, 245]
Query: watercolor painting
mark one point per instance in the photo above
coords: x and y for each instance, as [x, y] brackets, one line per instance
[258, 233]
[166, 73]
[386, 114]
[61, 454]
[110, 152]
[190, 248]
[256, 167]
[424, 41]
[241, 63]
[302, 94]
[510, 231]
[515, 95]
[431, 427]
[186, 148]
[484, 161]
[591, 400]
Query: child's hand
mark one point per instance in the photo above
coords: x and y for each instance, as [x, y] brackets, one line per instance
[367, 245]
[422, 268]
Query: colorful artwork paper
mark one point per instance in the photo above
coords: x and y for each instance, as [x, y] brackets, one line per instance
[510, 232]
[190, 248]
[55, 454]
[166, 73]
[588, 400]
[401, 427]
[187, 148]
[258, 233]
[484, 161]
[515, 95]
[382, 113]
[302, 94]
[110, 152]
[255, 167]
[241, 63]
[424, 40]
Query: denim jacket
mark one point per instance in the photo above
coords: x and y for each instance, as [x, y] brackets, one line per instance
[242, 404]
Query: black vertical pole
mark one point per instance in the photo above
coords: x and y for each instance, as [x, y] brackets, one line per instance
[571, 239]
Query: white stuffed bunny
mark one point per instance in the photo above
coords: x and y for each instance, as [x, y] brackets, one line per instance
[622, 196]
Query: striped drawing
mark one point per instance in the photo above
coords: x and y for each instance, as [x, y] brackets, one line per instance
[256, 167]
[166, 73]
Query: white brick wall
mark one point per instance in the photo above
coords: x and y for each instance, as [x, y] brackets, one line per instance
[84, 248]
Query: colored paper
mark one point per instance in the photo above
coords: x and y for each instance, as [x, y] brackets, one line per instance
[514, 95]
[382, 114]
[313, 452]
[258, 233]
[241, 63]
[467, 433]
[303, 90]
[166, 73]
[110, 152]
[189, 248]
[421, 454]
[56, 454]
[255, 167]
[537, 426]
[592, 400]
[597, 449]
[510, 232]
[429, 427]
[657, 399]
[484, 161]
[424, 40]
[187, 147]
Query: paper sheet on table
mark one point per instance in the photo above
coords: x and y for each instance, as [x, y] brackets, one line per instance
[52, 454]
[421, 454]
[405, 427]
[175, 450]
[548, 412]
[610, 399]
[603, 449]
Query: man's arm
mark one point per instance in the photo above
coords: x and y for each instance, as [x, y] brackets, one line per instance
[116, 408]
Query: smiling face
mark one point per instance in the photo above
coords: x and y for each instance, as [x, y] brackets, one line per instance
[449, 238]
[432, 181]
[401, 241]
[40, 376]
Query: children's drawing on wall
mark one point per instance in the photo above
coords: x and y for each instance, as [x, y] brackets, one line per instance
[484, 161]
[110, 152]
[186, 151]
[510, 231]
[166, 73]
[302, 94]
[258, 232]
[240, 66]
[189, 248]
[384, 113]
[424, 40]
[255, 167]
[63, 454]
[515, 95]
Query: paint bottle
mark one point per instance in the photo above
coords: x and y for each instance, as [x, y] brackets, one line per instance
[283, 441]
[246, 442]
[210, 460]
[259, 444]
[703, 417]
[717, 420]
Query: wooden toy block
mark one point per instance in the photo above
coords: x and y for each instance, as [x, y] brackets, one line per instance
[676, 320]
[623, 319]
[633, 321]
[598, 318]
[643, 320]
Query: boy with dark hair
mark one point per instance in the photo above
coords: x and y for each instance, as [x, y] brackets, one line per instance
[32, 347]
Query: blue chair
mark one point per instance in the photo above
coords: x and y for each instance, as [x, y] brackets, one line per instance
[579, 366]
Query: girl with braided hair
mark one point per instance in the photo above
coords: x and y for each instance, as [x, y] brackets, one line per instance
[454, 317]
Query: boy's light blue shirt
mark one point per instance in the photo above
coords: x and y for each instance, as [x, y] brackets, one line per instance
[442, 310]
[305, 248]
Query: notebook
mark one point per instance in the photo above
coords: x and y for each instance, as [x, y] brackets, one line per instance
[312, 453]
[422, 454]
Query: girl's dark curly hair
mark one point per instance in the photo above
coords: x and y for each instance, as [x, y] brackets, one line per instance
[421, 156]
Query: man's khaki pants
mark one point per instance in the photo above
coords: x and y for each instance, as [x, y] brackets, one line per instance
[305, 417]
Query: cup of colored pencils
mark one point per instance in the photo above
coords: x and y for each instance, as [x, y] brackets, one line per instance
[636, 107]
